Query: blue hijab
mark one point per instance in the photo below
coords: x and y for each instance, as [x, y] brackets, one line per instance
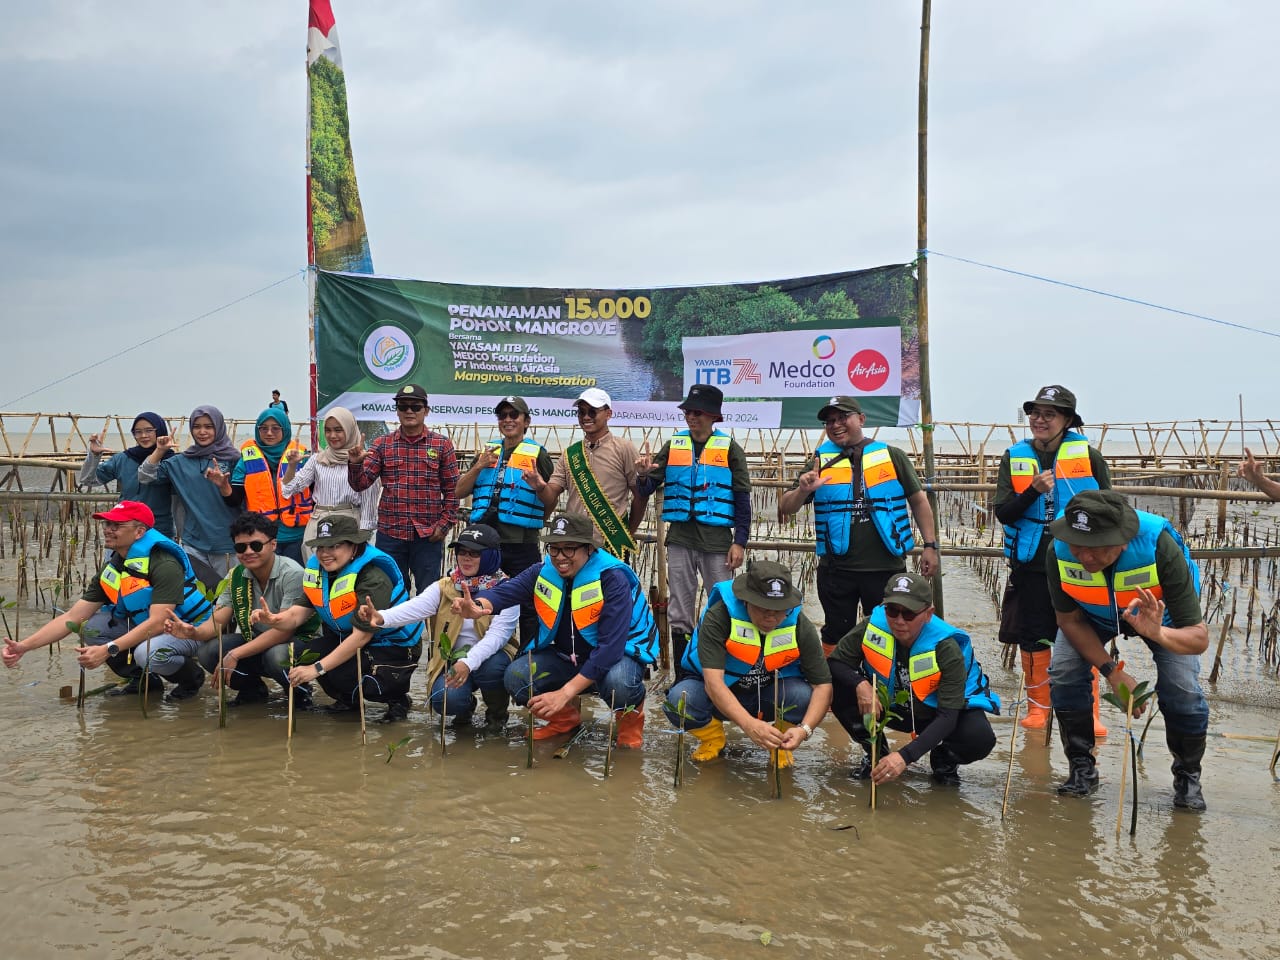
[136, 453]
[274, 451]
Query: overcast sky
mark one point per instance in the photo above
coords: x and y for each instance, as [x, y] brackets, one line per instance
[153, 160]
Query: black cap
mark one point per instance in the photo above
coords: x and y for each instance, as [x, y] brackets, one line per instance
[704, 397]
[1056, 395]
[477, 537]
[515, 403]
[909, 590]
[840, 404]
[411, 391]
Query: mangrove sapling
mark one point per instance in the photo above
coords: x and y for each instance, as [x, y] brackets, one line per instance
[393, 747]
[679, 710]
[775, 755]
[875, 725]
[364, 732]
[1013, 733]
[84, 634]
[613, 723]
[7, 604]
[450, 655]
[534, 676]
[1151, 715]
[1129, 701]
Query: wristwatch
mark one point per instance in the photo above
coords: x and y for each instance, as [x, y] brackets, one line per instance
[319, 669]
[808, 730]
[929, 543]
[1107, 669]
[113, 649]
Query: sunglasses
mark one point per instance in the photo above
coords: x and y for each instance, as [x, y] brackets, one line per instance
[563, 549]
[696, 413]
[257, 546]
[510, 415]
[1045, 414]
[411, 407]
[900, 613]
[588, 413]
[459, 551]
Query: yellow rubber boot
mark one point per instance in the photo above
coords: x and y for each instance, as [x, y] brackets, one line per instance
[1035, 668]
[1098, 729]
[710, 741]
[784, 756]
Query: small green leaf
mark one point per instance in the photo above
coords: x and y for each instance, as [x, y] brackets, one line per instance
[766, 938]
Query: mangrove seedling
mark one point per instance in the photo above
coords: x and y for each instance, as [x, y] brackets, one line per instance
[364, 731]
[679, 710]
[303, 659]
[450, 655]
[534, 676]
[1128, 701]
[875, 725]
[85, 634]
[393, 747]
[1013, 735]
[7, 604]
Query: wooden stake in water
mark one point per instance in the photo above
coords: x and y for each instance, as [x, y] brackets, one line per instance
[528, 737]
[679, 777]
[222, 684]
[289, 727]
[444, 709]
[1124, 764]
[613, 721]
[80, 693]
[776, 754]
[1013, 736]
[364, 732]
[146, 681]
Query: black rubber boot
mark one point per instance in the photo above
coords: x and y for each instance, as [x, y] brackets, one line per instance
[944, 766]
[497, 703]
[1076, 727]
[679, 643]
[1187, 752]
[461, 721]
[862, 771]
[189, 678]
[253, 691]
[133, 688]
[302, 697]
[397, 709]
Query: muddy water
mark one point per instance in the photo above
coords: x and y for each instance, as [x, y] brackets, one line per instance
[171, 838]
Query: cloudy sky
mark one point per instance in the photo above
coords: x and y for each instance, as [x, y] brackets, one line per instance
[153, 156]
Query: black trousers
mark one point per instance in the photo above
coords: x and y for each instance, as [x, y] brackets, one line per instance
[516, 559]
[1026, 612]
[387, 670]
[970, 740]
[841, 593]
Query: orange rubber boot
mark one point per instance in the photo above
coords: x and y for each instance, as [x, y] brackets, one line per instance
[631, 729]
[1098, 729]
[1035, 668]
[563, 722]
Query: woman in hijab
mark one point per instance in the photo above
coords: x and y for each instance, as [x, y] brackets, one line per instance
[207, 519]
[326, 475]
[255, 481]
[123, 468]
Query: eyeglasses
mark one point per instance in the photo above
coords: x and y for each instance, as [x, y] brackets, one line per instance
[563, 549]
[257, 546]
[900, 613]
[1045, 414]
[410, 407]
[140, 433]
[838, 418]
[509, 414]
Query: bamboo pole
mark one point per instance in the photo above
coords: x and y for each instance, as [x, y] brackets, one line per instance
[922, 280]
[1013, 739]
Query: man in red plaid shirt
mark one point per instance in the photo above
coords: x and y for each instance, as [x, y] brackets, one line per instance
[419, 473]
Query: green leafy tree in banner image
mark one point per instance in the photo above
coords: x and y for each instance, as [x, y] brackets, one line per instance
[725, 312]
[334, 196]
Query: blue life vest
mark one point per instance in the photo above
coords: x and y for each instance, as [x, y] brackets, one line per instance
[879, 650]
[887, 501]
[517, 504]
[701, 490]
[1072, 473]
[1102, 598]
[336, 600]
[128, 585]
[586, 601]
[744, 646]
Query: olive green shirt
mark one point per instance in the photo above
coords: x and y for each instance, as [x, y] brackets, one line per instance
[951, 694]
[713, 632]
[702, 537]
[372, 583]
[168, 580]
[867, 551]
[1004, 491]
[1180, 598]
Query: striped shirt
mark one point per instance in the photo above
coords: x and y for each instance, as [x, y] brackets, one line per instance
[330, 488]
[419, 479]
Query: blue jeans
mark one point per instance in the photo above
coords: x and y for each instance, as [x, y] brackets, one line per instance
[272, 662]
[1177, 685]
[462, 700]
[794, 696]
[623, 685]
[418, 557]
[162, 654]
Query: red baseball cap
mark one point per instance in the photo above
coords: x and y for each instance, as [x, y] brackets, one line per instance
[128, 510]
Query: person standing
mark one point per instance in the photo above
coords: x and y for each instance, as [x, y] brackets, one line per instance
[864, 494]
[904, 646]
[206, 517]
[599, 472]
[707, 503]
[1035, 480]
[325, 474]
[277, 403]
[123, 468]
[147, 580]
[419, 473]
[503, 499]
[1119, 571]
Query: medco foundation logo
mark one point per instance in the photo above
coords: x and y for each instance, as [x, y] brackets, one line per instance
[388, 352]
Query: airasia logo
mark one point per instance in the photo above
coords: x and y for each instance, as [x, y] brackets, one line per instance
[868, 370]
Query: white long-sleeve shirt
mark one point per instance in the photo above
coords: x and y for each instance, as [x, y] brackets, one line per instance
[479, 649]
[330, 488]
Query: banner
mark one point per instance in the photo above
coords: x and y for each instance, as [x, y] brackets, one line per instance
[779, 350]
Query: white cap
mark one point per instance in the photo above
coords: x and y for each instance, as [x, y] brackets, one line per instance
[595, 397]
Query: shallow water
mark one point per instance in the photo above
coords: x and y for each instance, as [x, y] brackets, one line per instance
[169, 837]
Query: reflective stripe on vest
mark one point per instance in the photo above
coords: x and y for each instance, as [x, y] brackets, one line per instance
[1073, 473]
[744, 644]
[886, 499]
[586, 603]
[517, 504]
[701, 491]
[336, 600]
[924, 674]
[129, 589]
[262, 489]
[879, 649]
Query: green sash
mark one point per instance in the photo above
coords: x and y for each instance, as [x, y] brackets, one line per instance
[242, 606]
[611, 526]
